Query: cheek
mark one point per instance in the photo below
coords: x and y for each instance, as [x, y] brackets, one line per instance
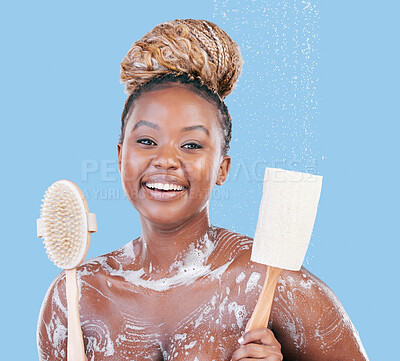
[196, 169]
[205, 171]
[131, 167]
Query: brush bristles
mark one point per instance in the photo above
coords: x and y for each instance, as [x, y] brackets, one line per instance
[64, 227]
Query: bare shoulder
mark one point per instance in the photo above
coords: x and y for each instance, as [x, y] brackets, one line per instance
[233, 245]
[100, 277]
[310, 322]
[307, 318]
[110, 262]
[90, 269]
[52, 323]
[94, 280]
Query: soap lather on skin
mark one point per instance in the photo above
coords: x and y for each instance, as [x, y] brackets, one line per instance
[215, 323]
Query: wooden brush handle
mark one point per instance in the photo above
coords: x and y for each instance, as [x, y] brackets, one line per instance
[262, 311]
[75, 345]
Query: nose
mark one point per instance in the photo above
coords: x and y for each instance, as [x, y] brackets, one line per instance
[166, 158]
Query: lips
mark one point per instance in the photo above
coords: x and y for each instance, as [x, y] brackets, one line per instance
[164, 187]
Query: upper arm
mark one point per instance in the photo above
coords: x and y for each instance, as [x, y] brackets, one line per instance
[52, 323]
[311, 323]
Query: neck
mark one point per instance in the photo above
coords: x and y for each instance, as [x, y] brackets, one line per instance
[162, 247]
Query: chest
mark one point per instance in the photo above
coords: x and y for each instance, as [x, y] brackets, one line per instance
[202, 320]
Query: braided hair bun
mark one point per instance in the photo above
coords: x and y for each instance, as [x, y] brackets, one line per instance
[198, 48]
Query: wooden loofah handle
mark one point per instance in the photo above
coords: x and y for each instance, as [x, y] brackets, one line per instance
[75, 345]
[262, 311]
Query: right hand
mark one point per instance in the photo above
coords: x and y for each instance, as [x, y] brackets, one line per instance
[259, 344]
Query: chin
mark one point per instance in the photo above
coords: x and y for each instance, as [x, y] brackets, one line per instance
[168, 218]
[166, 222]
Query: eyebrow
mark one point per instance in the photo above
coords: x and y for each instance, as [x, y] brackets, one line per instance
[145, 123]
[155, 126]
[195, 127]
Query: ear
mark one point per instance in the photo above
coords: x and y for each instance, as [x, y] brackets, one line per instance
[119, 150]
[223, 170]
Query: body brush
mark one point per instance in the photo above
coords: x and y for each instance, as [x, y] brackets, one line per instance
[285, 222]
[65, 225]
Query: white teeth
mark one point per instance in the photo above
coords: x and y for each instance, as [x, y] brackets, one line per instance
[164, 186]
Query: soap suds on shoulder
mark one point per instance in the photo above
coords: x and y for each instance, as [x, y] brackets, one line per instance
[252, 282]
[240, 277]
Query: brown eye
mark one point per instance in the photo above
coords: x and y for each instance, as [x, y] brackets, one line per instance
[192, 146]
[146, 141]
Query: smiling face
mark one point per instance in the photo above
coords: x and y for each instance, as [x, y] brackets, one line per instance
[171, 155]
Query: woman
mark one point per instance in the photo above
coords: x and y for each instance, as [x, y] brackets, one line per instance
[184, 290]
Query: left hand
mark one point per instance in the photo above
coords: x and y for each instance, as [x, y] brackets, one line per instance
[259, 344]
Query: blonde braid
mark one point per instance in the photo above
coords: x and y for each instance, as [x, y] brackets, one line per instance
[198, 48]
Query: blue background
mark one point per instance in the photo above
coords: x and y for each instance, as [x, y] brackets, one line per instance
[317, 94]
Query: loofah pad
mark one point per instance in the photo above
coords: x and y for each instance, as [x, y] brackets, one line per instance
[286, 219]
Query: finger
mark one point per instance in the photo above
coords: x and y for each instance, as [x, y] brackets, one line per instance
[262, 334]
[256, 351]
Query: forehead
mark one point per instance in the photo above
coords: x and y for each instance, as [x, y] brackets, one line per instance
[178, 102]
